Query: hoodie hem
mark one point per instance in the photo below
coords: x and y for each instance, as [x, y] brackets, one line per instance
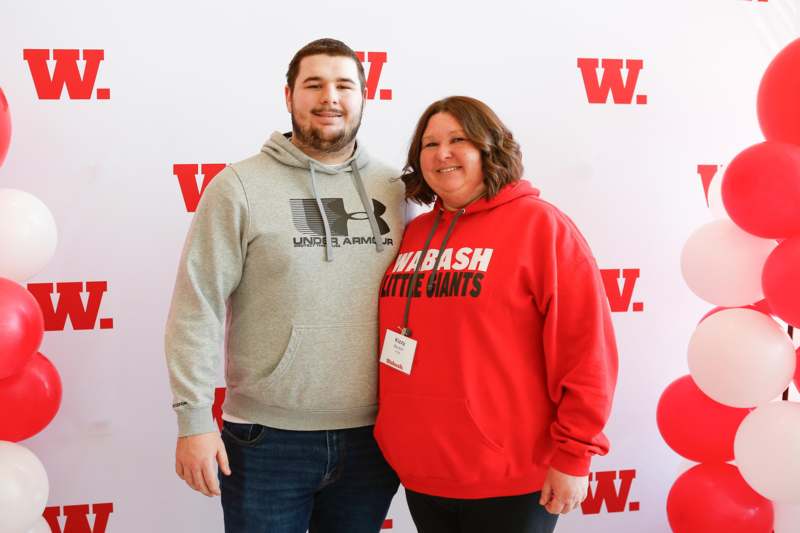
[445, 488]
[300, 420]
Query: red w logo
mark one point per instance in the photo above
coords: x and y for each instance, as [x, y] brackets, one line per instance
[620, 299]
[65, 72]
[621, 90]
[77, 519]
[605, 490]
[216, 409]
[376, 62]
[187, 179]
[70, 304]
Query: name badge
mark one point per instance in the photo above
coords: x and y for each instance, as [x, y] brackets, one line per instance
[398, 351]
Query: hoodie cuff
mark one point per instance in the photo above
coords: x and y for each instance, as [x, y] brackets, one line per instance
[568, 463]
[196, 421]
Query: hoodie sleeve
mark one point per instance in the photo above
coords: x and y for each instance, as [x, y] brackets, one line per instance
[209, 270]
[579, 346]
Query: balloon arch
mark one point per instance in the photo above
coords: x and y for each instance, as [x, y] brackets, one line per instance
[741, 359]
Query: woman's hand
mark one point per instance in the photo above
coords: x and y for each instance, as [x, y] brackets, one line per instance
[561, 492]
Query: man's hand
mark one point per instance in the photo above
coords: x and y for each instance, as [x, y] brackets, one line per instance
[196, 459]
[562, 493]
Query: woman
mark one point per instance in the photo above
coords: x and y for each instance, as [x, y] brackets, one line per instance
[498, 371]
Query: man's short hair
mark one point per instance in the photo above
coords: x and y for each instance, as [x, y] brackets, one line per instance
[328, 47]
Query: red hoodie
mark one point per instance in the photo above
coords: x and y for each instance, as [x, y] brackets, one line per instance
[516, 362]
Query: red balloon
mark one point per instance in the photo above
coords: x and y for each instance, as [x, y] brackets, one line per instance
[781, 283]
[714, 497]
[21, 327]
[761, 190]
[5, 126]
[694, 425]
[30, 399]
[778, 104]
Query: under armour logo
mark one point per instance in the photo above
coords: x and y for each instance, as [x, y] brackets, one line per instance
[308, 220]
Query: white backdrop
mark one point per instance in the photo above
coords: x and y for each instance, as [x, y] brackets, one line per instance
[202, 82]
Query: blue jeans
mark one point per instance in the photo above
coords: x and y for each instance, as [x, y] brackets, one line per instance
[282, 481]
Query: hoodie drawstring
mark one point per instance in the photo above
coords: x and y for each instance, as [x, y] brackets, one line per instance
[365, 201]
[326, 225]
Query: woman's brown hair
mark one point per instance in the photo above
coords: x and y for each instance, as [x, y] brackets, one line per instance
[501, 158]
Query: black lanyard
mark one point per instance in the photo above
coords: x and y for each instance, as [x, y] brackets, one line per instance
[405, 330]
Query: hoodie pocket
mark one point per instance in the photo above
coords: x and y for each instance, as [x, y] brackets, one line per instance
[326, 368]
[433, 437]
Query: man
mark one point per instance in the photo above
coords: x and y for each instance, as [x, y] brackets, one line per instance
[282, 263]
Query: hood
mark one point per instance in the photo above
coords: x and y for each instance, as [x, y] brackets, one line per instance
[280, 147]
[507, 194]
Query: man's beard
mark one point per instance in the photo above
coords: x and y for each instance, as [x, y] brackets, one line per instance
[312, 137]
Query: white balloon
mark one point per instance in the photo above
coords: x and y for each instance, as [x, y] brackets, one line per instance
[722, 264]
[40, 526]
[28, 235]
[787, 518]
[715, 204]
[767, 451]
[741, 358]
[23, 487]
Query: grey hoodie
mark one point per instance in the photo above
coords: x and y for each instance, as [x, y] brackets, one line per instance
[281, 269]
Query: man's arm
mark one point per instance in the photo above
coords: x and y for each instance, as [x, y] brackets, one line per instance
[209, 271]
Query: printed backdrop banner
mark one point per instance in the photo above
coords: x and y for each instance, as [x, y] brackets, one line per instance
[124, 111]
